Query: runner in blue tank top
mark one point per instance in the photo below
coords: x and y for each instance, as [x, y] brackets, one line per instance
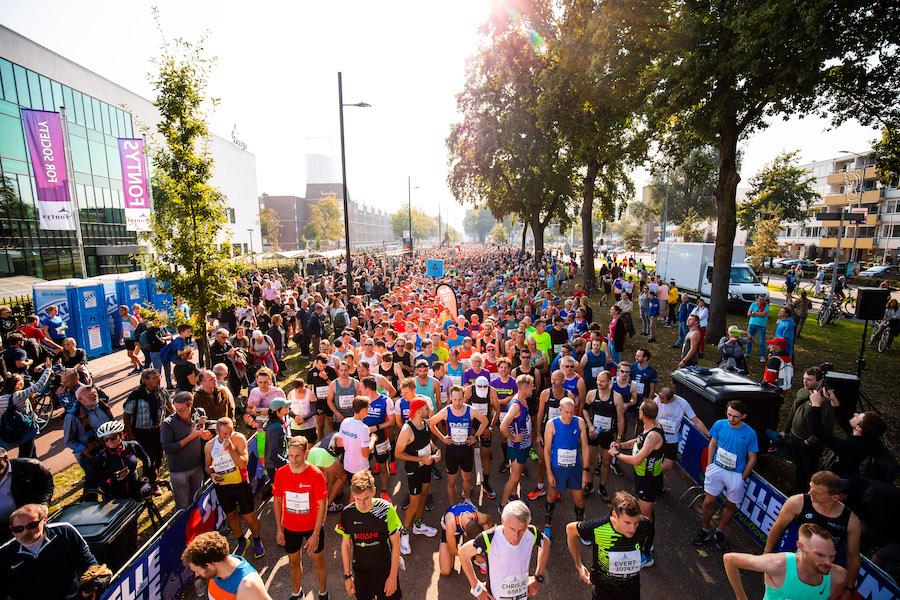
[516, 428]
[460, 439]
[565, 450]
[379, 422]
[461, 521]
[573, 382]
[593, 361]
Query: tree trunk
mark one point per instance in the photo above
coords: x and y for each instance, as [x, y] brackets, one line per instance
[524, 234]
[537, 231]
[726, 191]
[587, 227]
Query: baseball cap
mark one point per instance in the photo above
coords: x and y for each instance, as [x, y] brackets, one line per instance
[777, 342]
[415, 405]
[278, 404]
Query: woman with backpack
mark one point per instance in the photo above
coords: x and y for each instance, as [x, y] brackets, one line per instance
[17, 425]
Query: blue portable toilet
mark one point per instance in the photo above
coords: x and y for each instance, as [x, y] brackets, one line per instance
[159, 297]
[82, 307]
[122, 289]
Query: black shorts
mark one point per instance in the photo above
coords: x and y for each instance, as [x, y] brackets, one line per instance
[370, 586]
[459, 457]
[417, 478]
[235, 495]
[459, 537]
[485, 439]
[604, 439]
[309, 434]
[607, 287]
[670, 451]
[648, 489]
[381, 437]
[532, 403]
[322, 408]
[130, 345]
[294, 540]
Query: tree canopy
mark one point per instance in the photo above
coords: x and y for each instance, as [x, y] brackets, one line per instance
[269, 226]
[478, 222]
[424, 225]
[326, 221]
[690, 184]
[782, 188]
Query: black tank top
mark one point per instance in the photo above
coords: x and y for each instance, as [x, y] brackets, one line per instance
[606, 408]
[836, 526]
[552, 402]
[390, 375]
[421, 440]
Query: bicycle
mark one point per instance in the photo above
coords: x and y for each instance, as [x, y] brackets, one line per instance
[848, 306]
[882, 339]
[830, 312]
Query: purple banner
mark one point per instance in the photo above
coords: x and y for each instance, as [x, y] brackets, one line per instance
[135, 184]
[46, 147]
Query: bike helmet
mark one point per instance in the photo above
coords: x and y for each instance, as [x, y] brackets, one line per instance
[110, 428]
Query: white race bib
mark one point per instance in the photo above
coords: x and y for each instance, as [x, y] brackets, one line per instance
[557, 348]
[383, 447]
[456, 379]
[459, 433]
[513, 587]
[321, 392]
[480, 407]
[553, 412]
[297, 502]
[423, 452]
[625, 563]
[345, 401]
[566, 458]
[668, 425]
[602, 423]
[223, 463]
[638, 387]
[726, 459]
[595, 371]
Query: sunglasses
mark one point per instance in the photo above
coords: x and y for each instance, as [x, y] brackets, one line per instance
[624, 372]
[113, 438]
[29, 526]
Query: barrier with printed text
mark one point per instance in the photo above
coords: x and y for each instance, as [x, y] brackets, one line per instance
[760, 507]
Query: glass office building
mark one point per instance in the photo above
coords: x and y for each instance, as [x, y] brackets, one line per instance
[93, 126]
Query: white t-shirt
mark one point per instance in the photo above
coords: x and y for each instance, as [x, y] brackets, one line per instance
[669, 417]
[355, 435]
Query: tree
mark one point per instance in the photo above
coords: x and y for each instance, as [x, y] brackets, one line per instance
[498, 234]
[189, 213]
[269, 226]
[765, 241]
[478, 223]
[887, 155]
[689, 228]
[689, 183]
[780, 188]
[424, 225]
[632, 238]
[326, 221]
[727, 66]
[503, 155]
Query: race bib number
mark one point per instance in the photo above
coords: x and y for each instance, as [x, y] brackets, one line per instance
[602, 423]
[423, 452]
[557, 348]
[459, 433]
[668, 425]
[726, 459]
[321, 392]
[553, 412]
[566, 458]
[595, 371]
[456, 379]
[638, 387]
[223, 464]
[297, 502]
[383, 447]
[345, 401]
[514, 587]
[465, 363]
[480, 407]
[625, 564]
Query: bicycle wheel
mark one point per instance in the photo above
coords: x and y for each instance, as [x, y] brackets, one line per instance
[43, 410]
[848, 307]
[883, 340]
[824, 316]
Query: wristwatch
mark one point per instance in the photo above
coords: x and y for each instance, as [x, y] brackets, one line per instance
[539, 578]
[346, 577]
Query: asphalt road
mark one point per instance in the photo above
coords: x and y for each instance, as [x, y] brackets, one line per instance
[681, 570]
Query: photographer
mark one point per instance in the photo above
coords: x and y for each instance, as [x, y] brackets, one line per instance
[181, 436]
[115, 465]
[805, 448]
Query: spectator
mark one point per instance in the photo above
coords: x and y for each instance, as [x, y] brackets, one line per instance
[732, 350]
[155, 342]
[8, 323]
[80, 426]
[181, 437]
[805, 448]
[33, 331]
[45, 560]
[702, 313]
[14, 356]
[315, 326]
[278, 336]
[785, 329]
[115, 465]
[22, 481]
[53, 325]
[756, 328]
[73, 357]
[68, 386]
[684, 310]
[222, 351]
[800, 308]
[145, 408]
[890, 321]
[275, 455]
[14, 392]
[215, 401]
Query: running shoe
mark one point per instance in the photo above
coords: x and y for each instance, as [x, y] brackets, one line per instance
[429, 503]
[242, 546]
[588, 489]
[423, 529]
[719, 539]
[435, 473]
[614, 466]
[701, 539]
[549, 533]
[604, 494]
[532, 454]
[385, 496]
[335, 507]
[323, 596]
[258, 549]
[404, 543]
[537, 492]
[468, 501]
[376, 469]
[647, 560]
[297, 596]
[393, 468]
[488, 491]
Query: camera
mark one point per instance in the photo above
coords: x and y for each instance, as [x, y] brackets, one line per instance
[196, 414]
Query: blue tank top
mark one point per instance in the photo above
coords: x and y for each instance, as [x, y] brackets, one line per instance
[521, 424]
[404, 409]
[226, 589]
[459, 428]
[571, 385]
[343, 404]
[458, 510]
[455, 375]
[624, 391]
[593, 365]
[568, 439]
[378, 410]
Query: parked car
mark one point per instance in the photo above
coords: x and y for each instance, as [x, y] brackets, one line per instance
[882, 272]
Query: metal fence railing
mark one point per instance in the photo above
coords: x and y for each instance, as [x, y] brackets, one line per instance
[22, 306]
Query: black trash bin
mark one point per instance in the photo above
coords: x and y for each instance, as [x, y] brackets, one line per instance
[109, 528]
[709, 391]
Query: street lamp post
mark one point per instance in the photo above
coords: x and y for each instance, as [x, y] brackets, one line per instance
[341, 105]
[250, 235]
[409, 211]
[860, 179]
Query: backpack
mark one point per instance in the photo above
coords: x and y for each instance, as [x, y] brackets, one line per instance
[339, 322]
[169, 352]
[16, 425]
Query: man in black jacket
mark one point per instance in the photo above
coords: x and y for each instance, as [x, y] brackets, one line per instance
[22, 481]
[45, 560]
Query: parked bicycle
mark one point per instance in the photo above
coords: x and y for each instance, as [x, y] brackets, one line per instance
[830, 312]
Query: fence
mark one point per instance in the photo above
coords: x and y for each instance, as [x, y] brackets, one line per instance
[22, 307]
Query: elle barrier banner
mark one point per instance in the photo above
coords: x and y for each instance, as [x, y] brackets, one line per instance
[447, 298]
[47, 151]
[135, 184]
[156, 571]
[760, 507]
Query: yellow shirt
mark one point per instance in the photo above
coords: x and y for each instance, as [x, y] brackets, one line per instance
[673, 295]
[443, 354]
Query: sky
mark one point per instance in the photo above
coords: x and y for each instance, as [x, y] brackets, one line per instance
[276, 77]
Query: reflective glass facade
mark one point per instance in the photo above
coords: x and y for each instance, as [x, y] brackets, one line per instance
[93, 127]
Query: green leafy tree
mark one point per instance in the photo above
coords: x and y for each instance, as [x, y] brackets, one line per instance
[189, 213]
[887, 155]
[326, 221]
[689, 227]
[477, 223]
[498, 234]
[424, 225]
[690, 184]
[270, 226]
[451, 235]
[764, 243]
[728, 66]
[632, 237]
[503, 155]
[781, 188]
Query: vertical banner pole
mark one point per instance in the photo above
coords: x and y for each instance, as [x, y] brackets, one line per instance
[72, 195]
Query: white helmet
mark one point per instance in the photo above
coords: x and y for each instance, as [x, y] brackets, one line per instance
[110, 428]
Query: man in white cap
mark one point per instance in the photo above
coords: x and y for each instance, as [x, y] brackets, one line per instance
[483, 399]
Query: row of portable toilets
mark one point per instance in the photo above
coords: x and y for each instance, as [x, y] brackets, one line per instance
[90, 307]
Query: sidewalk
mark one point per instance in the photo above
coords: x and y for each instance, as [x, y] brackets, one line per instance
[110, 373]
